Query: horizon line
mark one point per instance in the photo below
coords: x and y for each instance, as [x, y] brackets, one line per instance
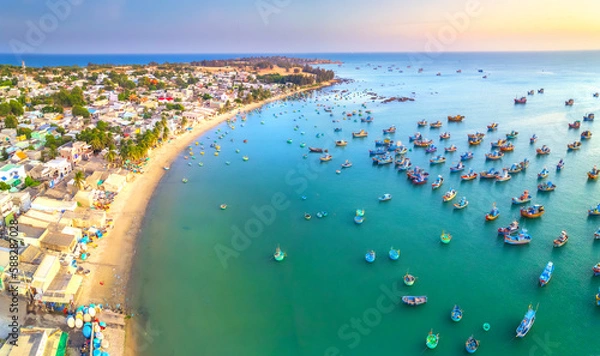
[287, 53]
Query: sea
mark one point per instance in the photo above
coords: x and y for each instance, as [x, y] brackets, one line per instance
[205, 281]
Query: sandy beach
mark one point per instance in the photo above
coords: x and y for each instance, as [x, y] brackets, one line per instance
[111, 262]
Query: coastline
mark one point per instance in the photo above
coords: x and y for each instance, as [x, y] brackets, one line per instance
[111, 263]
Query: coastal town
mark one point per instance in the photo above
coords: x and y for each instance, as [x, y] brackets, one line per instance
[81, 151]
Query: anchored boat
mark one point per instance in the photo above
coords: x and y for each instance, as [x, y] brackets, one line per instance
[394, 254]
[527, 322]
[432, 340]
[278, 255]
[546, 274]
[522, 238]
[471, 345]
[414, 300]
[456, 314]
[493, 214]
[445, 237]
[533, 211]
[370, 256]
[409, 279]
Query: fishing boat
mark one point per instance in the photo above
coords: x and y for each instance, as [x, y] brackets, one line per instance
[526, 323]
[416, 136]
[524, 164]
[593, 174]
[466, 156]
[361, 133]
[459, 167]
[575, 145]
[522, 100]
[560, 165]
[278, 255]
[509, 147]
[449, 195]
[598, 298]
[596, 269]
[414, 300]
[378, 152]
[575, 124]
[544, 150]
[315, 149]
[493, 214]
[531, 92]
[586, 135]
[387, 159]
[326, 158]
[491, 173]
[475, 141]
[562, 239]
[524, 198]
[341, 143]
[370, 256]
[432, 340]
[322, 214]
[588, 117]
[543, 173]
[435, 125]
[461, 204]
[533, 139]
[389, 130]
[307, 216]
[512, 135]
[385, 197]
[166, 168]
[431, 148]
[245, 158]
[457, 118]
[416, 172]
[184, 180]
[504, 176]
[438, 182]
[394, 254]
[501, 142]
[422, 123]
[456, 314]
[512, 228]
[445, 237]
[495, 155]
[445, 135]
[522, 238]
[452, 148]
[422, 142]
[404, 165]
[409, 279]
[533, 211]
[597, 234]
[347, 164]
[419, 179]
[337, 129]
[594, 211]
[223, 206]
[437, 160]
[469, 176]
[546, 274]
[401, 150]
[515, 168]
[546, 187]
[367, 119]
[569, 102]
[471, 345]
[493, 126]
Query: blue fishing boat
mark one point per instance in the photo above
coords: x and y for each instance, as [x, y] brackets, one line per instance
[533, 139]
[377, 152]
[431, 148]
[524, 198]
[560, 165]
[546, 274]
[416, 136]
[471, 345]
[513, 134]
[456, 314]
[385, 197]
[322, 214]
[445, 237]
[394, 254]
[414, 300]
[598, 298]
[337, 129]
[438, 182]
[510, 229]
[437, 160]
[370, 256]
[432, 340]
[466, 156]
[544, 173]
[461, 204]
[493, 214]
[589, 117]
[279, 255]
[522, 238]
[526, 323]
[459, 167]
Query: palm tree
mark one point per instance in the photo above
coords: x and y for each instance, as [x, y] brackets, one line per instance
[52, 152]
[79, 179]
[111, 156]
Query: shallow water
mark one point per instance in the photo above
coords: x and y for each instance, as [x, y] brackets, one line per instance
[324, 297]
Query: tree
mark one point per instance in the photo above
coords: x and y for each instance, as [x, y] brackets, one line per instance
[79, 179]
[16, 108]
[30, 182]
[11, 122]
[4, 154]
[4, 186]
[24, 131]
[52, 152]
[111, 156]
[80, 111]
[5, 109]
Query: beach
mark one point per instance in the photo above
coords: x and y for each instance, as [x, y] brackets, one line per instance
[110, 263]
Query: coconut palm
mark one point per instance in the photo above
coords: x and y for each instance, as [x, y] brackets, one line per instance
[79, 179]
[111, 156]
[52, 152]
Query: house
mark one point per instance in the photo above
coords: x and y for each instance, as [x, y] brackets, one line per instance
[19, 156]
[85, 219]
[37, 342]
[56, 169]
[30, 235]
[115, 182]
[13, 174]
[52, 205]
[22, 201]
[6, 204]
[59, 242]
[45, 273]
[73, 152]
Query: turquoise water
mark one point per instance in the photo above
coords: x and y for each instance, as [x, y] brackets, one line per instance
[207, 290]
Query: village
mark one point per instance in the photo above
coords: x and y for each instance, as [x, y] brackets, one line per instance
[71, 140]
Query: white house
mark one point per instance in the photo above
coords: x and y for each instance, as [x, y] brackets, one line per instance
[56, 169]
[13, 174]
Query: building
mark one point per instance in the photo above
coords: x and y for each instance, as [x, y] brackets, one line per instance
[6, 204]
[37, 342]
[56, 169]
[74, 152]
[13, 174]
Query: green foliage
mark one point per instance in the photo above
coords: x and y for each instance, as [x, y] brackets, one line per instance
[97, 138]
[30, 182]
[4, 154]
[80, 111]
[24, 131]
[4, 186]
[179, 107]
[5, 109]
[206, 96]
[68, 99]
[52, 109]
[11, 122]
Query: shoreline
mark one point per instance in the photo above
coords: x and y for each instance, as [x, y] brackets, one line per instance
[112, 261]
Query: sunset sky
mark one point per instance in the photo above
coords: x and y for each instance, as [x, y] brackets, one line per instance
[255, 26]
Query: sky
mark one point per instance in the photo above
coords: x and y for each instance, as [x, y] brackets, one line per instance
[295, 26]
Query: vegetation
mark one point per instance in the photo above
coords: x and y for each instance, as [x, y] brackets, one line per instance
[30, 182]
[4, 186]
[79, 179]
[79, 110]
[11, 122]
